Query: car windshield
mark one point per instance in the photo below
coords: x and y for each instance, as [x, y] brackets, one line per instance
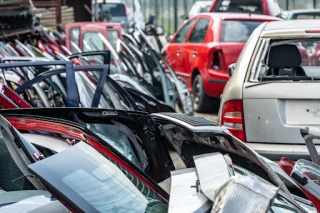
[237, 31]
[306, 16]
[300, 64]
[242, 6]
[95, 183]
[113, 9]
[205, 8]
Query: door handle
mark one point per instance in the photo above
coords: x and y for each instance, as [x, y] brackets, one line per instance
[194, 53]
[178, 52]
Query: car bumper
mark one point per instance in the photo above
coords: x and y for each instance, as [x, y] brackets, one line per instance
[276, 151]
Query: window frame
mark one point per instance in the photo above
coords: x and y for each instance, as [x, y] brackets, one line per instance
[195, 25]
[194, 20]
[70, 37]
[83, 38]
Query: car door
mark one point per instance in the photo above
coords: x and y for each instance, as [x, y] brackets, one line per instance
[196, 50]
[175, 51]
[72, 31]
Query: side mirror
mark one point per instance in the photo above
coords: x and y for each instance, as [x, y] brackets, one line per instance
[159, 31]
[231, 68]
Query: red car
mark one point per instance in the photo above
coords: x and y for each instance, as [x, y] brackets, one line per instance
[265, 7]
[85, 35]
[203, 48]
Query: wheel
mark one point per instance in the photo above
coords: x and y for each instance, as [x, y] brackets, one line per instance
[201, 102]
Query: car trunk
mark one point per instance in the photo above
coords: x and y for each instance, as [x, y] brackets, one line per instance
[275, 112]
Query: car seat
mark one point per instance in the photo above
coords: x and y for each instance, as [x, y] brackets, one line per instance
[284, 61]
[233, 7]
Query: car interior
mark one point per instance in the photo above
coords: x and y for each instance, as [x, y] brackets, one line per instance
[283, 62]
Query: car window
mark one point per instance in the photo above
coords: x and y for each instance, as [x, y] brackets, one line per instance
[237, 31]
[74, 36]
[199, 31]
[205, 9]
[306, 16]
[93, 182]
[113, 9]
[182, 34]
[113, 35]
[129, 145]
[241, 6]
[300, 64]
[92, 42]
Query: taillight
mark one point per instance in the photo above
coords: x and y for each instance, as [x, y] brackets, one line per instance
[232, 118]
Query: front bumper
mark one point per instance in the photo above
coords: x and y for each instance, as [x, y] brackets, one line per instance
[276, 151]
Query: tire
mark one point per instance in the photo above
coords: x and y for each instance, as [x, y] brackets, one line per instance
[201, 102]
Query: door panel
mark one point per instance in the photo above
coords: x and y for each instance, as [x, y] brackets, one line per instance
[176, 49]
[196, 51]
[275, 112]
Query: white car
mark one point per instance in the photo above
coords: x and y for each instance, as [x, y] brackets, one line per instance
[200, 7]
[274, 89]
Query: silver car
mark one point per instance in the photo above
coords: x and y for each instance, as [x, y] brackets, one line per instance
[274, 89]
[114, 11]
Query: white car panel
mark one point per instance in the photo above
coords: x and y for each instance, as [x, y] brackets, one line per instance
[274, 112]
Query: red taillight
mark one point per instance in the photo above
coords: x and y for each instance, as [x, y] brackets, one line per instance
[232, 118]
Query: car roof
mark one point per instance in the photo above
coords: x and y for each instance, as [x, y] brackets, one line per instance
[293, 24]
[242, 16]
[291, 29]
